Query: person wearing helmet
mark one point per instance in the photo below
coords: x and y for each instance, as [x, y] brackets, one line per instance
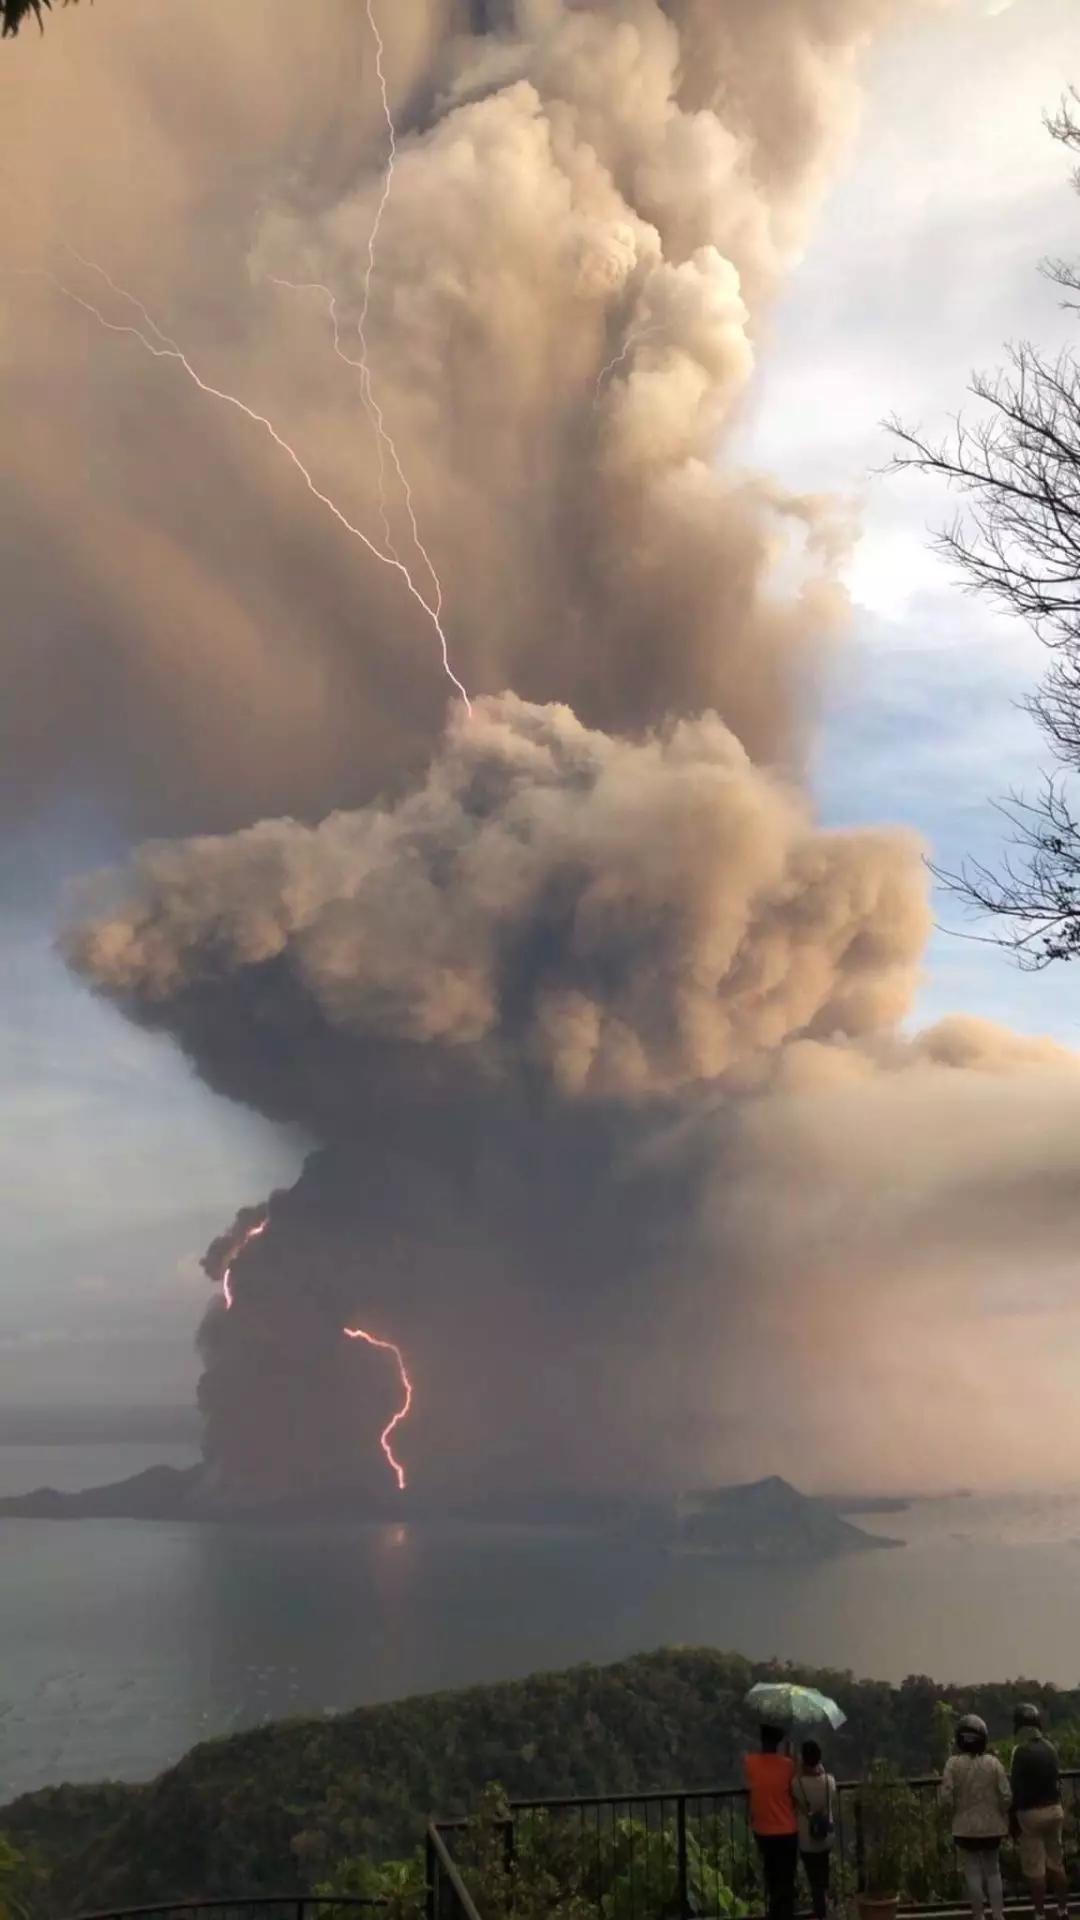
[975, 1791]
[1038, 1815]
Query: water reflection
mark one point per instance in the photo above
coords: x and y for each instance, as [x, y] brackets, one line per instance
[122, 1643]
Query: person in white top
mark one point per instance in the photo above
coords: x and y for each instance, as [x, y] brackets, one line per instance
[814, 1793]
[975, 1790]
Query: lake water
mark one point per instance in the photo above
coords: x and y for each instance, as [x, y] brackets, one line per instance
[124, 1642]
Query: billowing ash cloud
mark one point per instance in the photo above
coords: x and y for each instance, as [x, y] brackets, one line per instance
[618, 919]
[622, 1133]
[604, 1034]
[576, 185]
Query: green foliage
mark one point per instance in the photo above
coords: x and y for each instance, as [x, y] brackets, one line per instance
[890, 1820]
[530, 1883]
[22, 1884]
[942, 1734]
[284, 1808]
[623, 1893]
[400, 1884]
[1066, 1738]
[559, 1869]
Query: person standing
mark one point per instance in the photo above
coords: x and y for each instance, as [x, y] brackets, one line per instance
[975, 1791]
[814, 1794]
[769, 1777]
[1038, 1815]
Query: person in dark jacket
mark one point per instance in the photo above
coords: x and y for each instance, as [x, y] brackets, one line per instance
[1037, 1813]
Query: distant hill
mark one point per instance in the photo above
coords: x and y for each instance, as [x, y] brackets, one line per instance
[180, 1493]
[158, 1493]
[275, 1809]
[766, 1520]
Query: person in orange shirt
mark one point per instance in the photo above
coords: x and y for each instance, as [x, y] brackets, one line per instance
[770, 1774]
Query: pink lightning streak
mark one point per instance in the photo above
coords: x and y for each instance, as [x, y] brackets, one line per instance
[387, 1346]
[351, 1333]
[162, 347]
[234, 1255]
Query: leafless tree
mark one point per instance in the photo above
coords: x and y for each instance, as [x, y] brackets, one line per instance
[14, 12]
[1017, 541]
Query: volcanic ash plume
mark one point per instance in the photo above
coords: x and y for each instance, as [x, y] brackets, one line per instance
[621, 1133]
[615, 919]
[590, 208]
[573, 1015]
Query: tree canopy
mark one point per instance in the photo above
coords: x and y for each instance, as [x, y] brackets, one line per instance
[285, 1808]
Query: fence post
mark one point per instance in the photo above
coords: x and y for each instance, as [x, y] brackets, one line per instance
[860, 1848]
[682, 1864]
[431, 1867]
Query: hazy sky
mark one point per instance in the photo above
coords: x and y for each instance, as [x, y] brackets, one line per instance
[119, 1166]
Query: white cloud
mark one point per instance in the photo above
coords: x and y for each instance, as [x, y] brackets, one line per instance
[889, 568]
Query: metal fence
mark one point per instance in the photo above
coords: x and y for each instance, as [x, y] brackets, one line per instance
[448, 1897]
[677, 1856]
[647, 1856]
[272, 1906]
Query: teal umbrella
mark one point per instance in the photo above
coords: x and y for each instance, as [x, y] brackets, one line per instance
[780, 1703]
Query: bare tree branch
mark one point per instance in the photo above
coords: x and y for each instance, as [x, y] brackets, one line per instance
[1016, 540]
[14, 12]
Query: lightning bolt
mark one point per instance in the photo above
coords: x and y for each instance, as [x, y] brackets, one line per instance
[361, 325]
[388, 176]
[375, 415]
[383, 438]
[388, 1346]
[162, 347]
[234, 1255]
[351, 1333]
[633, 338]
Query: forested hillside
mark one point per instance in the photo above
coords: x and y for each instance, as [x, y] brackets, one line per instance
[277, 1808]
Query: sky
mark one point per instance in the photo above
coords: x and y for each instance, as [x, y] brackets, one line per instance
[923, 263]
[120, 1164]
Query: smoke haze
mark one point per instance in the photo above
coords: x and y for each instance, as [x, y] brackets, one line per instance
[622, 1130]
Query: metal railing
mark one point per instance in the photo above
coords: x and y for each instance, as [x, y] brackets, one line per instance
[651, 1856]
[685, 1855]
[448, 1898]
[256, 1906]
